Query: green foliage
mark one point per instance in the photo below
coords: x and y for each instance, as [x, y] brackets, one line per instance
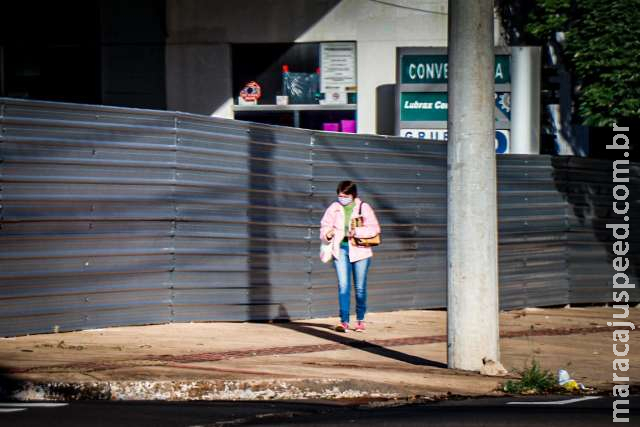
[533, 379]
[604, 46]
[547, 17]
[601, 49]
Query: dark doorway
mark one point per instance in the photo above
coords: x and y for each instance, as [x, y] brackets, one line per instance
[92, 51]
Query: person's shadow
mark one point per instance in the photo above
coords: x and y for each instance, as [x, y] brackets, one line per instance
[325, 332]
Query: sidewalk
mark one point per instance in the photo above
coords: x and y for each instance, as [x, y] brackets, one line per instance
[402, 354]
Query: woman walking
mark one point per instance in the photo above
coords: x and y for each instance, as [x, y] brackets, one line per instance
[345, 220]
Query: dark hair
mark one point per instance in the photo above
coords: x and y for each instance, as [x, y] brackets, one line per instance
[348, 187]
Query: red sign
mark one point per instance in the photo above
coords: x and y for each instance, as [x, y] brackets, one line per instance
[251, 92]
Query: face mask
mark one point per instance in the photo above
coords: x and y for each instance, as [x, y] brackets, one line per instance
[344, 201]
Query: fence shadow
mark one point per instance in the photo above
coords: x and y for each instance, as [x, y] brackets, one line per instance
[260, 198]
[9, 385]
[587, 186]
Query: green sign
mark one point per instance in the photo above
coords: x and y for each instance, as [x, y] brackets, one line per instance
[434, 69]
[433, 107]
[424, 106]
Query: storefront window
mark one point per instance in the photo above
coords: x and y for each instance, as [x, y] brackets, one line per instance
[307, 85]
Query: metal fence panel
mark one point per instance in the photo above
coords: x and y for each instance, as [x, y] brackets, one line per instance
[86, 237]
[531, 227]
[242, 240]
[116, 216]
[588, 186]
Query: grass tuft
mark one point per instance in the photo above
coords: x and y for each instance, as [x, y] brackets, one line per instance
[533, 380]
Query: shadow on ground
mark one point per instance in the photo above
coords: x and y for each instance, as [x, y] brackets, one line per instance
[325, 332]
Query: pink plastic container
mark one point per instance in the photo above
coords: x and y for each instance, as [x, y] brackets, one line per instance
[348, 126]
[331, 127]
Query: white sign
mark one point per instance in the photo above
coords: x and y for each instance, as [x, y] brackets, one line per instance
[503, 141]
[334, 98]
[337, 66]
[431, 134]
[502, 137]
[242, 101]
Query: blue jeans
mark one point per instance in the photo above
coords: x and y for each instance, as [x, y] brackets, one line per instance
[345, 269]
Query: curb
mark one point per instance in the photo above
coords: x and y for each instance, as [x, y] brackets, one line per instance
[329, 389]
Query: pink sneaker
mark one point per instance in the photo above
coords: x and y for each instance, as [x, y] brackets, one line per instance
[343, 327]
[360, 326]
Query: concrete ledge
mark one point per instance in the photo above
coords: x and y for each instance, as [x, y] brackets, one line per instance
[201, 390]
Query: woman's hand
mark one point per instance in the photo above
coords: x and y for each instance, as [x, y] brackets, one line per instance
[330, 234]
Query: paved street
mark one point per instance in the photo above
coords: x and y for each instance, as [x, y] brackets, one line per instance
[536, 411]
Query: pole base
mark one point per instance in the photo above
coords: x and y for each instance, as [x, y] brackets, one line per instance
[492, 368]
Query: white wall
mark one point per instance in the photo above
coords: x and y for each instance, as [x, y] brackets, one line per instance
[378, 30]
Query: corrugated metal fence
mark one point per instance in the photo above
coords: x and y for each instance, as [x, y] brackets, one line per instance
[113, 216]
[587, 184]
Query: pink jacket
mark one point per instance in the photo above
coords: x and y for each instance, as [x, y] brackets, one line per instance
[333, 219]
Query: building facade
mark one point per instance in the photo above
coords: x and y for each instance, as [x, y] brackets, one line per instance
[195, 55]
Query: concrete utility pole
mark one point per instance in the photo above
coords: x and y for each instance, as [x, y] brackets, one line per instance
[472, 292]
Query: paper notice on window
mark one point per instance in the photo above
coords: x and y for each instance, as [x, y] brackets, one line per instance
[337, 67]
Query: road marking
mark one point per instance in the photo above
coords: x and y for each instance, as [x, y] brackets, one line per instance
[6, 408]
[32, 405]
[556, 402]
